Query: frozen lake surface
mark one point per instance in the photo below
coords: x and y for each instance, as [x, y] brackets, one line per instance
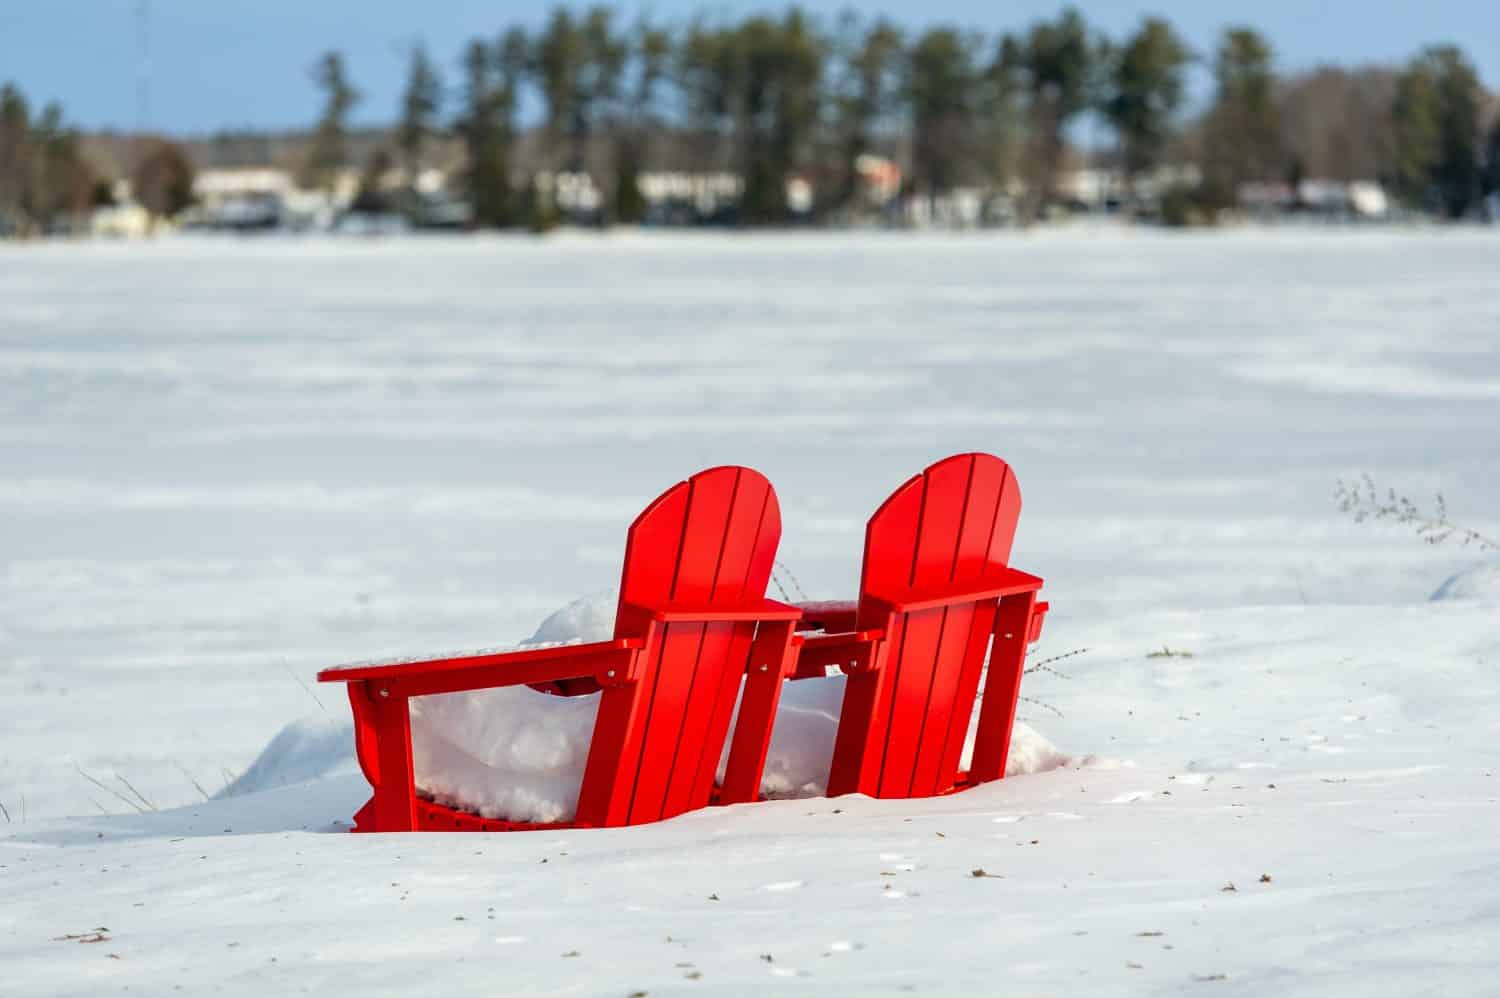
[226, 464]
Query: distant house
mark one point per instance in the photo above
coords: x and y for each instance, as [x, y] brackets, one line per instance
[240, 198]
[682, 197]
[1356, 199]
[125, 220]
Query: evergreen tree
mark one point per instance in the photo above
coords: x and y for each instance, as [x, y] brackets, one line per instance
[866, 96]
[557, 63]
[1145, 93]
[1061, 60]
[1492, 160]
[649, 58]
[420, 105]
[779, 73]
[1437, 131]
[328, 155]
[707, 80]
[1002, 111]
[492, 81]
[64, 179]
[1241, 134]
[941, 81]
[17, 161]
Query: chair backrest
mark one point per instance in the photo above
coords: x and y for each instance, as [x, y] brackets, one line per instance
[709, 541]
[903, 725]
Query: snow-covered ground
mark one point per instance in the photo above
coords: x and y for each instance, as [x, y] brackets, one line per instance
[224, 465]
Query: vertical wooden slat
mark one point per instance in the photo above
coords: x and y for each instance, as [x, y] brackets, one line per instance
[730, 680]
[911, 680]
[614, 751]
[1007, 514]
[947, 673]
[652, 547]
[704, 534]
[945, 494]
[763, 553]
[697, 718]
[986, 483]
[741, 538]
[980, 626]
[663, 723]
[890, 547]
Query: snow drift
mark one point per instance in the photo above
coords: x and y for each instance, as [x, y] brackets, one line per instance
[1482, 582]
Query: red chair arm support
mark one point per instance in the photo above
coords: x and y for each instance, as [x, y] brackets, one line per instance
[762, 609]
[833, 616]
[1008, 583]
[848, 652]
[610, 662]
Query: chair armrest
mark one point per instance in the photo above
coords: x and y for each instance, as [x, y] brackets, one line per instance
[833, 616]
[610, 662]
[848, 652]
[761, 609]
[1008, 582]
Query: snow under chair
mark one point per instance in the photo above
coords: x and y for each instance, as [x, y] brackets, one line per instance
[693, 626]
[936, 593]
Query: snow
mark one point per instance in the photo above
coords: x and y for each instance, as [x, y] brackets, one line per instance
[226, 464]
[1482, 582]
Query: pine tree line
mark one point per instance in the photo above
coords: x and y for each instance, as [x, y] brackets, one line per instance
[776, 99]
[770, 98]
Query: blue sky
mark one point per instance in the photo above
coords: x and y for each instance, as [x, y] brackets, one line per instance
[222, 64]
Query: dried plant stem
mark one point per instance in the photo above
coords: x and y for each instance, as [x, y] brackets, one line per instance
[1363, 501]
[793, 580]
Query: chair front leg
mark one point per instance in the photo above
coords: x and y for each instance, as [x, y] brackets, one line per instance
[394, 782]
[1002, 687]
[771, 660]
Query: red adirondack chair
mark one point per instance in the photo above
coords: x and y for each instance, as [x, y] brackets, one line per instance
[936, 589]
[693, 621]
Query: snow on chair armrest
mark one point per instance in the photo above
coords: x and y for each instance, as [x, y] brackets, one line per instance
[1009, 582]
[611, 662]
[760, 609]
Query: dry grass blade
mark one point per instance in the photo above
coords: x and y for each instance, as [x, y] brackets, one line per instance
[140, 796]
[109, 790]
